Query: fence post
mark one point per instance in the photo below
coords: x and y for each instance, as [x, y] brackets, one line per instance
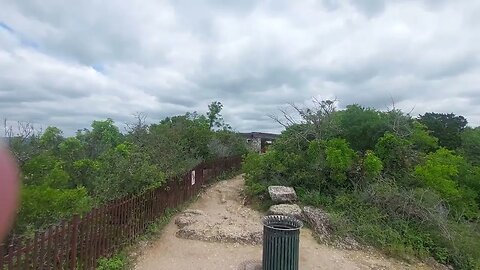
[73, 243]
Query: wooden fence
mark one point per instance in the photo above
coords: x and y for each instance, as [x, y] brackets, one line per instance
[79, 242]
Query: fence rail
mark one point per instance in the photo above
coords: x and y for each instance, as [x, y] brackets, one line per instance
[79, 242]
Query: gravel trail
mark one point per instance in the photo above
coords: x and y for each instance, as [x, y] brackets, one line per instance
[222, 212]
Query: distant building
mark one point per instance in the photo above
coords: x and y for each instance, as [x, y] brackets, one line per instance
[259, 141]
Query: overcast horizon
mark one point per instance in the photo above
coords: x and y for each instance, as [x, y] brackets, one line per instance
[65, 64]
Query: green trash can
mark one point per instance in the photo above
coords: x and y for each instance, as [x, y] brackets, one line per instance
[281, 236]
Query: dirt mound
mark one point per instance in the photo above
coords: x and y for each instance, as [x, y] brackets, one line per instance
[226, 220]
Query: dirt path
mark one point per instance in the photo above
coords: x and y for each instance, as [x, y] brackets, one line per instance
[223, 206]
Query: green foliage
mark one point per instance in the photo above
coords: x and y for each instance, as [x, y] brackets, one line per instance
[125, 170]
[226, 143]
[320, 122]
[400, 235]
[362, 127]
[446, 127]
[470, 179]
[422, 139]
[254, 171]
[410, 197]
[103, 136]
[25, 148]
[470, 147]
[42, 206]
[45, 169]
[106, 133]
[265, 167]
[71, 149]
[57, 177]
[100, 164]
[83, 172]
[439, 170]
[179, 143]
[372, 165]
[339, 159]
[215, 119]
[51, 138]
[394, 152]
[117, 262]
[294, 139]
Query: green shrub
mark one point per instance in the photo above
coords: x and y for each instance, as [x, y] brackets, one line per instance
[125, 170]
[408, 197]
[422, 139]
[362, 127]
[439, 172]
[395, 153]
[339, 159]
[42, 206]
[117, 262]
[372, 165]
[470, 148]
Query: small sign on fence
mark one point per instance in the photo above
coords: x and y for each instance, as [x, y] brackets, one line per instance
[193, 177]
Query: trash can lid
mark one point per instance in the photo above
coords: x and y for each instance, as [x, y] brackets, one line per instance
[281, 222]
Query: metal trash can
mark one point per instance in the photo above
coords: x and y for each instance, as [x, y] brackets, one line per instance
[281, 236]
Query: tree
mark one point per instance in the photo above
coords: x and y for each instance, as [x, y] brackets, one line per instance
[409, 194]
[362, 127]
[45, 170]
[470, 147]
[71, 149]
[125, 170]
[446, 127]
[103, 136]
[84, 172]
[439, 170]
[43, 206]
[214, 116]
[188, 135]
[137, 131]
[319, 121]
[226, 143]
[106, 133]
[395, 153]
[23, 140]
[62, 176]
[372, 165]
[51, 138]
[422, 139]
[339, 159]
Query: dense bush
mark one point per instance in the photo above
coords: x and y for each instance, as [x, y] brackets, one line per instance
[43, 205]
[117, 262]
[384, 177]
[66, 175]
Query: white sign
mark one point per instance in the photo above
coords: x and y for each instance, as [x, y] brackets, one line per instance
[193, 178]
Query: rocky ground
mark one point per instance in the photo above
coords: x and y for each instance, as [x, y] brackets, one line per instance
[219, 232]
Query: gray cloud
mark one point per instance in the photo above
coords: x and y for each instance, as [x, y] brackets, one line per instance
[67, 65]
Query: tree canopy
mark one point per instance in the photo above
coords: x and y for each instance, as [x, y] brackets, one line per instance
[66, 175]
[447, 127]
[410, 186]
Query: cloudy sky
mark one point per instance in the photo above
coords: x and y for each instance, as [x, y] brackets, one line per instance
[66, 63]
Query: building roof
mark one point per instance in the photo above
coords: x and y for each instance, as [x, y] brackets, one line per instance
[262, 135]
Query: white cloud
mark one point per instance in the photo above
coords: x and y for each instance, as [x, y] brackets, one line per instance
[67, 64]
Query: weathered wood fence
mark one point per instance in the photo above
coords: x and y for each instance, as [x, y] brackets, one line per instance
[79, 242]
